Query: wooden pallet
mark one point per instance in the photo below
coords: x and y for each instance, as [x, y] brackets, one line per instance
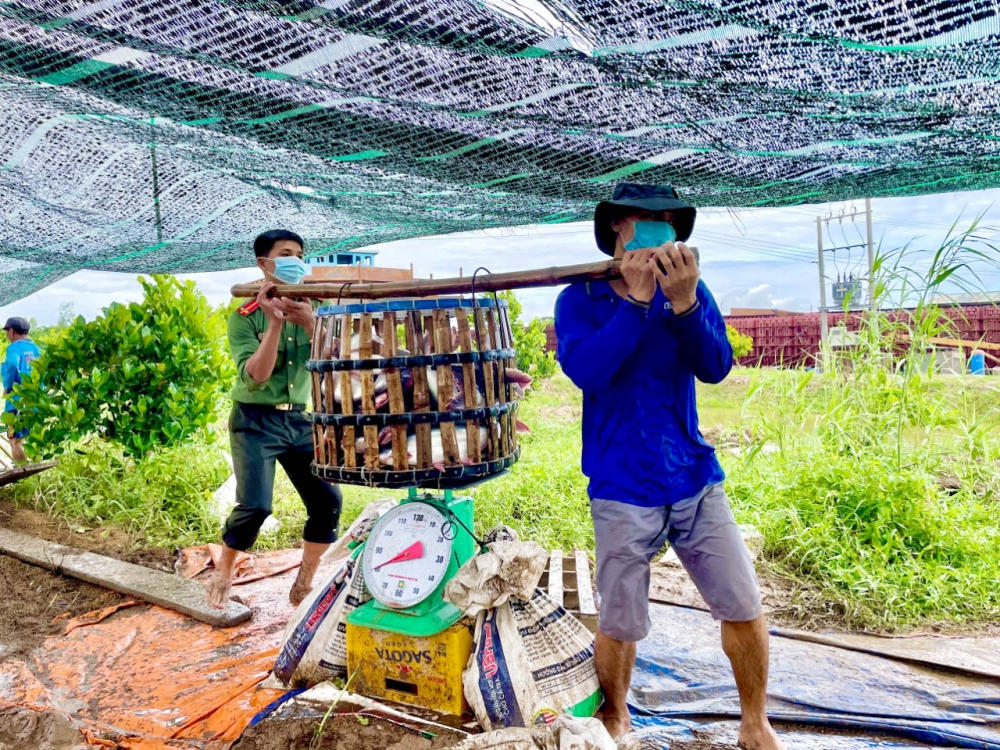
[567, 581]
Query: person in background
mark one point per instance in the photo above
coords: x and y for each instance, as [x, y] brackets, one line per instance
[635, 346]
[21, 352]
[270, 340]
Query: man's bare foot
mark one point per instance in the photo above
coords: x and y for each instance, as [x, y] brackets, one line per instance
[759, 738]
[17, 452]
[217, 589]
[303, 584]
[618, 725]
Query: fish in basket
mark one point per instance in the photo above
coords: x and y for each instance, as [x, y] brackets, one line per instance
[415, 393]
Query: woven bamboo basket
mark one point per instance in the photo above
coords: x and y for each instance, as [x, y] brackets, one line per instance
[413, 393]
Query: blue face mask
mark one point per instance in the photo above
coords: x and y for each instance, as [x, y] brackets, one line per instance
[650, 234]
[289, 270]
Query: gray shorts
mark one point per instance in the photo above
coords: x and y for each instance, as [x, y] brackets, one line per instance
[703, 533]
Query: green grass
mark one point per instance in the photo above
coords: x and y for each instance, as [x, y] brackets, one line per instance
[848, 506]
[544, 497]
[848, 500]
[162, 500]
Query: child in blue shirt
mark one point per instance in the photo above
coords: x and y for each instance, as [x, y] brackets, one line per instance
[21, 352]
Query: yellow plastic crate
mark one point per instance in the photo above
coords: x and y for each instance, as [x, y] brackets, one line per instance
[420, 671]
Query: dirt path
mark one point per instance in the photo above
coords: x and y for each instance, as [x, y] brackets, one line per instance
[786, 604]
[23, 729]
[105, 540]
[39, 602]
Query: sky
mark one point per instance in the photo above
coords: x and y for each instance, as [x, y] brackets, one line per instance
[762, 258]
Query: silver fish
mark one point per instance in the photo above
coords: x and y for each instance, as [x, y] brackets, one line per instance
[381, 384]
[517, 379]
[437, 448]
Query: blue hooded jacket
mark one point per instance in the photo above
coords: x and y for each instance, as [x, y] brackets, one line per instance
[636, 368]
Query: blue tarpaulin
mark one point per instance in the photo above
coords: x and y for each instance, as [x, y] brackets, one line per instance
[819, 696]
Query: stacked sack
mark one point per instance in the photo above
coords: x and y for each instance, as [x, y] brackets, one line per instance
[314, 647]
[532, 660]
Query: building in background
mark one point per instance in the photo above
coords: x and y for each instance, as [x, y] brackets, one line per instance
[353, 265]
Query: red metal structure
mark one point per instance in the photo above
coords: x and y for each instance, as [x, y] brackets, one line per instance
[792, 340]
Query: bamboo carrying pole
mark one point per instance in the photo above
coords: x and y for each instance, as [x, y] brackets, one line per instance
[484, 282]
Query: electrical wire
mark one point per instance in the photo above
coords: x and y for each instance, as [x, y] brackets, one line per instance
[788, 252]
[882, 220]
[792, 251]
[861, 237]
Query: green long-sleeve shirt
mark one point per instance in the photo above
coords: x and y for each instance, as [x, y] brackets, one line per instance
[289, 382]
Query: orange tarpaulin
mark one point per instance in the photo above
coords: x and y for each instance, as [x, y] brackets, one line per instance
[148, 678]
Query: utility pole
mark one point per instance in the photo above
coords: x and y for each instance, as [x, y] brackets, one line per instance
[823, 332]
[871, 256]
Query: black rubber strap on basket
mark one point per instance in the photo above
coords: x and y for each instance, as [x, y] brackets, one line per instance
[451, 477]
[413, 418]
[421, 360]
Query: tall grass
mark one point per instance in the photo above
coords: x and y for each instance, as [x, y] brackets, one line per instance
[844, 477]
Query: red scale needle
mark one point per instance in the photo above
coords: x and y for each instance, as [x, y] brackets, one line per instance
[412, 552]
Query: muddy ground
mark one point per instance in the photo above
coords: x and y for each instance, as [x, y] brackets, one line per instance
[23, 729]
[340, 733]
[104, 540]
[38, 602]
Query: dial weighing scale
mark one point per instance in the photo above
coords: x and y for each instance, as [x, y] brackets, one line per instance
[407, 644]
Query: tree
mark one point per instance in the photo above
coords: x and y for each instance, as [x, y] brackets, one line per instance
[65, 314]
[741, 343]
[144, 375]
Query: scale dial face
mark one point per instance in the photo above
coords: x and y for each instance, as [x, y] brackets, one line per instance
[407, 554]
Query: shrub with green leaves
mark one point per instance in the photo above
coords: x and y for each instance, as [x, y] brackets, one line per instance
[144, 375]
[874, 483]
[530, 342]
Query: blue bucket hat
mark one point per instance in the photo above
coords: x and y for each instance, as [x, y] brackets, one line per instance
[649, 198]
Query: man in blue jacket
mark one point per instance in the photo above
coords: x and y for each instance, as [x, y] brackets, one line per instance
[21, 352]
[634, 346]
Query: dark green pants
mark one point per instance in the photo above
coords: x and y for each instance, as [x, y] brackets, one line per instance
[259, 436]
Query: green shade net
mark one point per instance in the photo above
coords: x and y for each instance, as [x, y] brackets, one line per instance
[161, 136]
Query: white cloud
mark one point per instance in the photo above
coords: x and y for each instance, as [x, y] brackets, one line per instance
[741, 251]
[761, 296]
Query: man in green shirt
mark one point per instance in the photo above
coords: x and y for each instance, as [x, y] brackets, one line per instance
[270, 341]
